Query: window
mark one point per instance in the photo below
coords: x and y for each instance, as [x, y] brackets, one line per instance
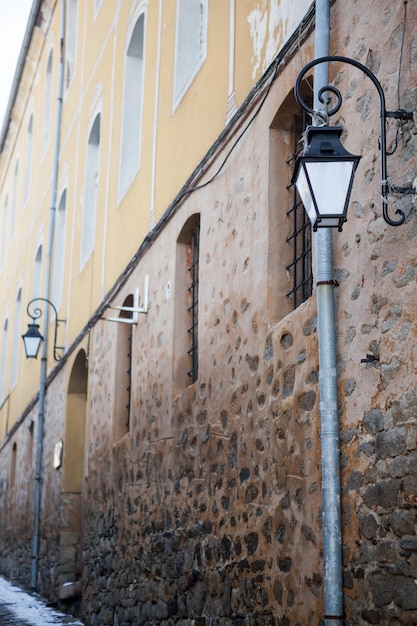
[59, 251]
[14, 199]
[132, 106]
[190, 44]
[3, 361]
[97, 5]
[4, 233]
[47, 103]
[123, 382]
[37, 273]
[28, 162]
[13, 462]
[300, 240]
[16, 338]
[91, 191]
[290, 279]
[186, 301]
[71, 41]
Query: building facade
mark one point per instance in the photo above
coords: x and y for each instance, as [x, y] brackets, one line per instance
[145, 168]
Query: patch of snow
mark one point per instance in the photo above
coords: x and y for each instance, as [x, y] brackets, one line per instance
[30, 609]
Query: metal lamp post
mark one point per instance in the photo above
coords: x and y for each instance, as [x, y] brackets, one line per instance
[326, 198]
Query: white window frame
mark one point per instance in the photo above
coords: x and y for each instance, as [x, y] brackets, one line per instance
[132, 114]
[59, 250]
[47, 109]
[28, 160]
[181, 85]
[3, 364]
[14, 199]
[71, 42]
[37, 271]
[4, 231]
[91, 187]
[16, 338]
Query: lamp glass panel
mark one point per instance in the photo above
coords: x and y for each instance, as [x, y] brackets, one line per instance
[32, 345]
[330, 182]
[305, 194]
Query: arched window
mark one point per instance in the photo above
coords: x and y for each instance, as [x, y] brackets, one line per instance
[186, 303]
[190, 44]
[132, 106]
[14, 199]
[123, 380]
[59, 250]
[97, 5]
[28, 163]
[290, 277]
[47, 103]
[13, 462]
[3, 360]
[16, 338]
[91, 191]
[71, 41]
[4, 233]
[37, 273]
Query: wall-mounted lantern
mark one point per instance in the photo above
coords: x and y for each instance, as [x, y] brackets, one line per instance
[324, 172]
[32, 338]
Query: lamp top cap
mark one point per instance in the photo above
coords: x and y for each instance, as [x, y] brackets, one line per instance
[324, 141]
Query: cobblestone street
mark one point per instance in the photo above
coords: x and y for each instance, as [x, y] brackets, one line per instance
[19, 608]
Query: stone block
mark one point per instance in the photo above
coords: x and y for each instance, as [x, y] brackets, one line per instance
[69, 590]
[391, 443]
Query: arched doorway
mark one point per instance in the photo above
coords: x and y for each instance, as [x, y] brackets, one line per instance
[72, 479]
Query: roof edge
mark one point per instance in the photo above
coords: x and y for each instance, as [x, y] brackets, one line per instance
[33, 16]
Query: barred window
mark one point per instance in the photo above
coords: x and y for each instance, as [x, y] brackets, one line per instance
[187, 304]
[192, 289]
[300, 267]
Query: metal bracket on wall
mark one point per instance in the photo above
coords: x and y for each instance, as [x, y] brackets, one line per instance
[136, 308]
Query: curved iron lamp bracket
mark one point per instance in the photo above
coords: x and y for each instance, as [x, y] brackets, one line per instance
[35, 313]
[400, 114]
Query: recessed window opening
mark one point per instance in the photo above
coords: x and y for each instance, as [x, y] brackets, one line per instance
[4, 233]
[132, 106]
[193, 287]
[16, 337]
[37, 273]
[186, 366]
[71, 41]
[47, 103]
[13, 462]
[190, 44]
[290, 279]
[28, 164]
[14, 199]
[91, 191]
[123, 382]
[300, 238]
[3, 361]
[59, 251]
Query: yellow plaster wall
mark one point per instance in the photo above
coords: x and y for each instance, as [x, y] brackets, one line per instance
[173, 143]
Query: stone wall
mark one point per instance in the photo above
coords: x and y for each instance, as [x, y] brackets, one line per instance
[208, 511]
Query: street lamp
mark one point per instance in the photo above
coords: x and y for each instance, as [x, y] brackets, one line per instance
[324, 171]
[32, 338]
[324, 175]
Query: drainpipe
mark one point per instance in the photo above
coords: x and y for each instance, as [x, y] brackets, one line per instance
[330, 461]
[48, 282]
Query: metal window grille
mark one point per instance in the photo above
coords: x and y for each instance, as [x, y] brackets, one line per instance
[300, 268]
[192, 275]
[129, 376]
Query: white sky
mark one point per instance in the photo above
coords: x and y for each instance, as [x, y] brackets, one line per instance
[14, 15]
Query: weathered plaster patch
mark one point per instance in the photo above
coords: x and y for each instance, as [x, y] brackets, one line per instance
[271, 23]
